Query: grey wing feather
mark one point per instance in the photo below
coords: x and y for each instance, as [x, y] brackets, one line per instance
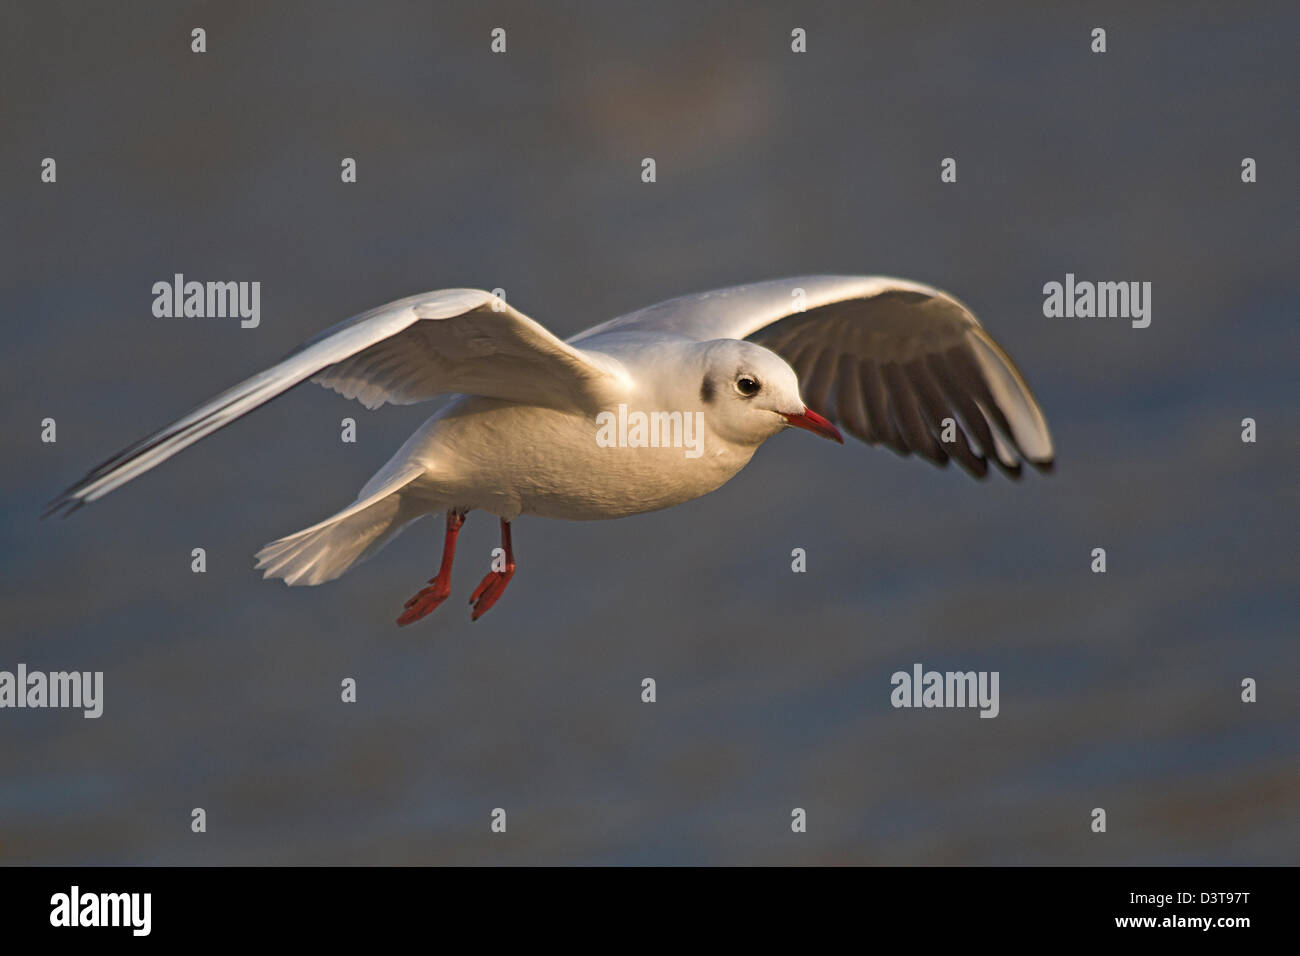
[454, 340]
[888, 359]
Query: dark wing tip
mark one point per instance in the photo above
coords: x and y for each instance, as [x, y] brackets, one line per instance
[977, 466]
[1014, 472]
[63, 506]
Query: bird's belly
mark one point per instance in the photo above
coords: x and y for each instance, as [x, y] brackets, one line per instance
[622, 482]
[513, 460]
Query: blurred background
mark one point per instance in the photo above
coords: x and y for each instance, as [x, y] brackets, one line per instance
[523, 171]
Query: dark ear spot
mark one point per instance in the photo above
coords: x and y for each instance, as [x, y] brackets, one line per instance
[706, 390]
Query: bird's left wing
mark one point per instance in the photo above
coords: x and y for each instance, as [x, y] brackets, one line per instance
[454, 340]
[892, 361]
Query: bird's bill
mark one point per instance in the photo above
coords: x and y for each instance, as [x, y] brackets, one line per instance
[811, 421]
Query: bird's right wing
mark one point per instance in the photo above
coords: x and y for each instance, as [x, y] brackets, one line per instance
[455, 340]
[889, 359]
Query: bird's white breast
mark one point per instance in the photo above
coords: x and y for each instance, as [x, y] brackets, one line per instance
[514, 459]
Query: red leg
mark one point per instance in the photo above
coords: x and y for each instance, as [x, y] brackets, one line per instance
[494, 585]
[439, 585]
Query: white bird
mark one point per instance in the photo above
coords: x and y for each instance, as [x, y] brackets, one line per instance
[541, 426]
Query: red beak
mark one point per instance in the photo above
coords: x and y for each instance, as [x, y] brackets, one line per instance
[815, 424]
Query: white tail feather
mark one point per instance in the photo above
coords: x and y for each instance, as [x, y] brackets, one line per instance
[325, 550]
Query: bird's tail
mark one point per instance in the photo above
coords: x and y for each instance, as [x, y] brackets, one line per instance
[325, 550]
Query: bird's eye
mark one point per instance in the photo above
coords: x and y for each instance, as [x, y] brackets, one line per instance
[747, 386]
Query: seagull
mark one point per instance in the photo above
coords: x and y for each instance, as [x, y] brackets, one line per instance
[558, 428]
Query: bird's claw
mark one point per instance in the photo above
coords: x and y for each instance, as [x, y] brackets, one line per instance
[425, 601]
[488, 590]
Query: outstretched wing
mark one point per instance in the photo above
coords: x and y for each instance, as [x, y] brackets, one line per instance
[455, 340]
[891, 361]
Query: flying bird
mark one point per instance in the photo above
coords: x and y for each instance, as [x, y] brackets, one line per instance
[642, 412]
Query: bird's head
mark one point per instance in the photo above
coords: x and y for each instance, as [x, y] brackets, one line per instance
[750, 393]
